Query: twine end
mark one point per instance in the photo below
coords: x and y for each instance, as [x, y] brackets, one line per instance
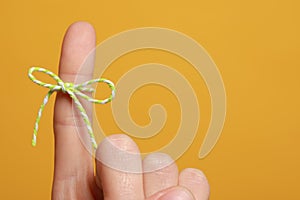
[33, 142]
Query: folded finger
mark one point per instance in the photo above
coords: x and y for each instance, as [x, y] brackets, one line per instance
[119, 168]
[195, 181]
[160, 172]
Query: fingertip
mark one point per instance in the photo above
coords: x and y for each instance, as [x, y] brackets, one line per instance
[81, 23]
[121, 153]
[82, 28]
[195, 181]
[119, 141]
[156, 161]
[78, 43]
[194, 175]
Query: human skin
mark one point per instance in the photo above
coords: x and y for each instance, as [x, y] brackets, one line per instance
[74, 176]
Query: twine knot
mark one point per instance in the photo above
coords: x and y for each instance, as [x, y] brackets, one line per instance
[66, 86]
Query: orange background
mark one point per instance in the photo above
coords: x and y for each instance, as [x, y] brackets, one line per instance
[255, 44]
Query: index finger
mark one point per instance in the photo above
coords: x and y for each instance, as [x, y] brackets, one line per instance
[71, 157]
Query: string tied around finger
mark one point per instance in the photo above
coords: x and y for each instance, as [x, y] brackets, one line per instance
[73, 90]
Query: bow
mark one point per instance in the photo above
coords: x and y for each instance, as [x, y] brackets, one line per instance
[73, 90]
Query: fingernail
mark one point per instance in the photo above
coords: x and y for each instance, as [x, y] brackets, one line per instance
[177, 194]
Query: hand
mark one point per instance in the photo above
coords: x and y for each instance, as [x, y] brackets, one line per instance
[74, 176]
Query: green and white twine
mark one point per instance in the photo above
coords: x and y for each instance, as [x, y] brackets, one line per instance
[73, 90]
